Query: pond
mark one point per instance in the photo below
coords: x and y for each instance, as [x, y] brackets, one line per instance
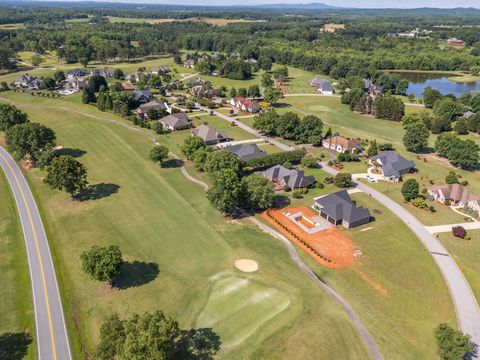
[418, 81]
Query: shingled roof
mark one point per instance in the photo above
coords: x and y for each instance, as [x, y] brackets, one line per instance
[339, 206]
[393, 164]
[291, 178]
[246, 151]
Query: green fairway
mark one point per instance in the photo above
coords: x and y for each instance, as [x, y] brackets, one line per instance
[173, 239]
[16, 308]
[237, 307]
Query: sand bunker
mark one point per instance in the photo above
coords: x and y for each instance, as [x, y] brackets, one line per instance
[246, 265]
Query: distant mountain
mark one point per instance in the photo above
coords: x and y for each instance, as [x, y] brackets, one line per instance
[310, 6]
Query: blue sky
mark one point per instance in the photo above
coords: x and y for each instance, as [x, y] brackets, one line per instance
[344, 3]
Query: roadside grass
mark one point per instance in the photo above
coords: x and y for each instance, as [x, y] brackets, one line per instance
[16, 307]
[396, 287]
[159, 218]
[465, 253]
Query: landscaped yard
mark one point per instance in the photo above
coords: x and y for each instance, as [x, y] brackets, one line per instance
[466, 253]
[16, 308]
[177, 248]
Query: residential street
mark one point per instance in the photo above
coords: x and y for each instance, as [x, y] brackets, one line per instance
[466, 306]
[51, 334]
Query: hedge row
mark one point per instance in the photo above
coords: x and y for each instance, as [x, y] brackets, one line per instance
[270, 160]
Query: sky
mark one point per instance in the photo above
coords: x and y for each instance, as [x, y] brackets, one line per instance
[342, 3]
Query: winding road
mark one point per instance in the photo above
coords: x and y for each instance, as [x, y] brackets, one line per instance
[51, 332]
[464, 301]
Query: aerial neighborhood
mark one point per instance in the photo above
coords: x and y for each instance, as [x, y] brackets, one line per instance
[280, 181]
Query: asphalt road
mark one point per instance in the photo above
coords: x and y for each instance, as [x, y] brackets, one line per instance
[466, 306]
[51, 333]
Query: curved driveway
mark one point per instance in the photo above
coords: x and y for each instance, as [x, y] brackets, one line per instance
[51, 333]
[464, 301]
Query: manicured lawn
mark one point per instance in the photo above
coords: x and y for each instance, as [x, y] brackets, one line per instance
[298, 79]
[16, 308]
[221, 125]
[160, 219]
[466, 254]
[49, 59]
[396, 287]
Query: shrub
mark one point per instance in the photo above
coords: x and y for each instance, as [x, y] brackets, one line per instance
[296, 195]
[343, 180]
[286, 188]
[328, 180]
[419, 203]
[459, 231]
[309, 162]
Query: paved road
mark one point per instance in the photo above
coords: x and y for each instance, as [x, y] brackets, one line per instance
[466, 306]
[51, 333]
[247, 128]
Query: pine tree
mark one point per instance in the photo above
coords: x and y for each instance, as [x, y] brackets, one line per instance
[101, 101]
[88, 95]
[108, 102]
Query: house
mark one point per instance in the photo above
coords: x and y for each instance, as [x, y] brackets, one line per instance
[245, 105]
[392, 165]
[76, 73]
[75, 85]
[162, 69]
[197, 82]
[284, 177]
[339, 209]
[210, 135]
[138, 75]
[102, 72]
[371, 88]
[341, 144]
[36, 84]
[468, 114]
[246, 152]
[455, 194]
[202, 91]
[142, 95]
[189, 63]
[322, 86]
[23, 80]
[455, 41]
[176, 121]
[157, 105]
[128, 86]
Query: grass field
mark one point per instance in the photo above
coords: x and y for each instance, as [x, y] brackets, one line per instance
[466, 254]
[212, 21]
[16, 308]
[173, 242]
[49, 58]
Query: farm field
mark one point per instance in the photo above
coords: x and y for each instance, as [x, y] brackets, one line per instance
[465, 253]
[16, 307]
[396, 287]
[175, 244]
[212, 21]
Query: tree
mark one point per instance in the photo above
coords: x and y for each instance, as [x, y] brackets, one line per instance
[233, 92]
[254, 91]
[36, 60]
[222, 159]
[200, 158]
[430, 96]
[372, 149]
[118, 74]
[227, 190]
[444, 143]
[259, 191]
[310, 125]
[447, 108]
[465, 154]
[288, 126]
[102, 263]
[153, 336]
[242, 92]
[309, 162]
[266, 122]
[452, 177]
[66, 173]
[266, 80]
[190, 146]
[101, 101]
[272, 95]
[410, 189]
[88, 96]
[10, 116]
[452, 344]
[108, 101]
[59, 76]
[159, 153]
[461, 127]
[49, 83]
[29, 139]
[388, 107]
[96, 81]
[416, 136]
[474, 122]
[343, 180]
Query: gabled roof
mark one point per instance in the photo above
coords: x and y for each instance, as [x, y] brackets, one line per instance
[128, 86]
[292, 178]
[345, 143]
[138, 94]
[322, 84]
[25, 78]
[246, 151]
[455, 192]
[155, 104]
[393, 164]
[209, 133]
[176, 120]
[339, 206]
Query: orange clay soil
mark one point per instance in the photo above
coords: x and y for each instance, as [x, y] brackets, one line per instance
[330, 247]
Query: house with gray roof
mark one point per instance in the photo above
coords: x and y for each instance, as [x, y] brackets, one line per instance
[176, 121]
[322, 86]
[339, 209]
[210, 135]
[246, 152]
[142, 95]
[282, 176]
[23, 80]
[157, 105]
[392, 165]
[102, 72]
[76, 73]
[162, 69]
